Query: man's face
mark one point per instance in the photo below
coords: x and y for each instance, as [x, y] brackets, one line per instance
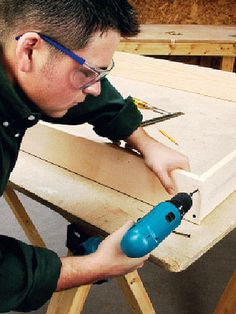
[50, 83]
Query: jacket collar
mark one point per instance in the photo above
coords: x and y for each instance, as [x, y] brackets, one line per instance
[16, 109]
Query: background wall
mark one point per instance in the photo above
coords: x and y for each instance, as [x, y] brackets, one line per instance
[215, 12]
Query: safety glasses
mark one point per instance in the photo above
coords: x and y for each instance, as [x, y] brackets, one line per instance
[87, 74]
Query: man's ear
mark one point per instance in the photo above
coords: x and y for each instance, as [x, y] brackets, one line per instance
[26, 44]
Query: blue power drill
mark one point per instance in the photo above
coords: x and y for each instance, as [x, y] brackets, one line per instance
[145, 235]
[148, 232]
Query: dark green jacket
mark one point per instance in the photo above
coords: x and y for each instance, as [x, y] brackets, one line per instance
[28, 275]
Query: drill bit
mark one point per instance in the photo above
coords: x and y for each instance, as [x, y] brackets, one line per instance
[195, 191]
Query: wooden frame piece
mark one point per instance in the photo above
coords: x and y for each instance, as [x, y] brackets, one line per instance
[184, 40]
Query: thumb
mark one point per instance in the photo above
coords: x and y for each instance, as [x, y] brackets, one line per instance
[122, 230]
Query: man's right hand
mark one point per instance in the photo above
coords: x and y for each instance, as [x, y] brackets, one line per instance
[107, 262]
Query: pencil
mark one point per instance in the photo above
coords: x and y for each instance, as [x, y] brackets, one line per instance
[168, 136]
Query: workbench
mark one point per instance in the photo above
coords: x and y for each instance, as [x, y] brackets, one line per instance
[87, 202]
[185, 40]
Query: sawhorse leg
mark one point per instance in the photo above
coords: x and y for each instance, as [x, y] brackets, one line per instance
[227, 303]
[22, 217]
[227, 63]
[72, 301]
[69, 301]
[136, 294]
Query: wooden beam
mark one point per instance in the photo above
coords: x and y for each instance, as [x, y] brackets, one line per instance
[177, 49]
[137, 296]
[69, 301]
[227, 63]
[22, 217]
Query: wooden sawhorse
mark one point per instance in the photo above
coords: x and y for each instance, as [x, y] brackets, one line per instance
[72, 301]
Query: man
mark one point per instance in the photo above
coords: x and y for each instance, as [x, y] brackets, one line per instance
[54, 59]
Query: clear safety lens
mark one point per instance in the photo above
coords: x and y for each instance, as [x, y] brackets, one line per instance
[88, 75]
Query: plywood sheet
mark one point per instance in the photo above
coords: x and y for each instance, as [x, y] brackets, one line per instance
[108, 209]
[199, 80]
[205, 133]
[186, 12]
[208, 124]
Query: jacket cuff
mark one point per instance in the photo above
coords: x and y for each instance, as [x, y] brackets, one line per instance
[46, 274]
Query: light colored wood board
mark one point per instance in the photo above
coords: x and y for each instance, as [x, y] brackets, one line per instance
[77, 154]
[177, 49]
[214, 185]
[185, 33]
[54, 145]
[219, 182]
[79, 197]
[204, 81]
[208, 124]
[108, 209]
[200, 135]
[188, 182]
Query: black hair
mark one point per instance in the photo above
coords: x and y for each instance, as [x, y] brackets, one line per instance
[70, 22]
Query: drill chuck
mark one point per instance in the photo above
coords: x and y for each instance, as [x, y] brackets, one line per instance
[183, 202]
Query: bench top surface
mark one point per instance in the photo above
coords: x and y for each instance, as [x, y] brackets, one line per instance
[186, 33]
[108, 209]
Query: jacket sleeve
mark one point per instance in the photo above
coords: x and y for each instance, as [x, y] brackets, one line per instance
[28, 275]
[110, 114]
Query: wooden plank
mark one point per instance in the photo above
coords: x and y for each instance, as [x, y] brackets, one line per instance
[91, 202]
[195, 40]
[162, 33]
[176, 75]
[82, 160]
[201, 120]
[178, 49]
[110, 172]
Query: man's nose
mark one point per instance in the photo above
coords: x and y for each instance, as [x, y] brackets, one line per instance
[94, 89]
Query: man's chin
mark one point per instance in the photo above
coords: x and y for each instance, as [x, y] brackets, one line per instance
[56, 114]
